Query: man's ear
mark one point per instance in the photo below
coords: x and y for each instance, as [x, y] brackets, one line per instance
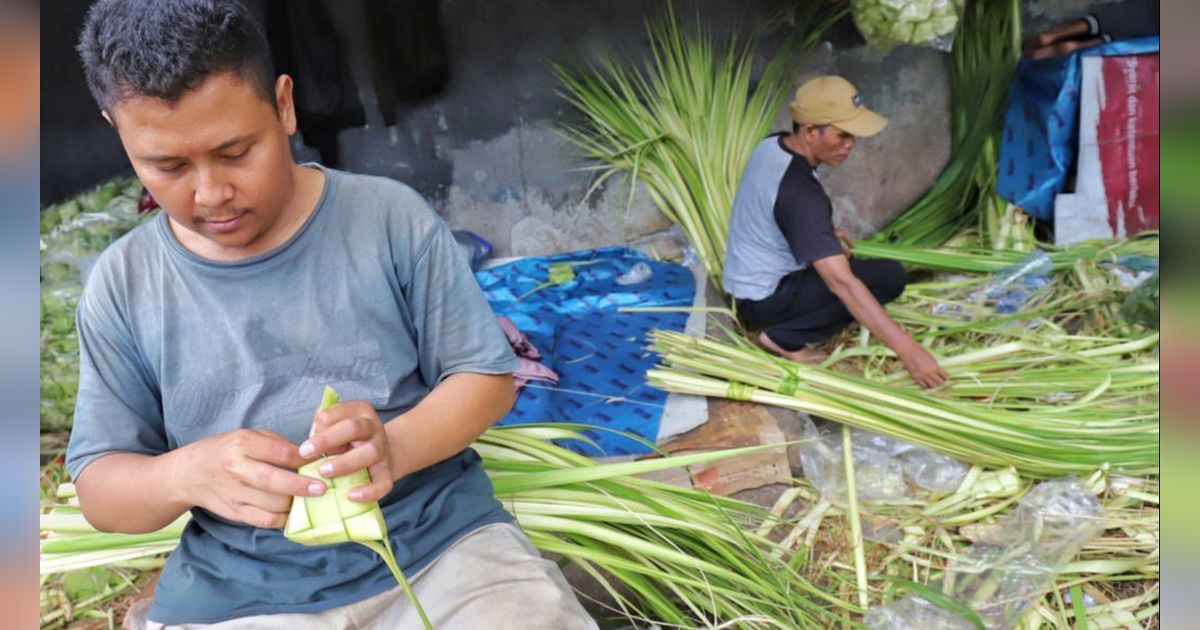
[284, 105]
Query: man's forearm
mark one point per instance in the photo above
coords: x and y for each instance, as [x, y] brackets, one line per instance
[456, 412]
[130, 493]
[862, 304]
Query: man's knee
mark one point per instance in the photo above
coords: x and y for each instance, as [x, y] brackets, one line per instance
[889, 280]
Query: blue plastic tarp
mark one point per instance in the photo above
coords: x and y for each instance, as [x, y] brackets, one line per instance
[599, 354]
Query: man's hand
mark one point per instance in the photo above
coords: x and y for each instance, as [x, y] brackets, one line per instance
[923, 367]
[353, 431]
[846, 238]
[245, 475]
[836, 272]
[1061, 40]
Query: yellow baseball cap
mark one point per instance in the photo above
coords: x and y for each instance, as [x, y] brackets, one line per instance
[832, 100]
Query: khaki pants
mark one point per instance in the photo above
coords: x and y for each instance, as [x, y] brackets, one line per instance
[491, 578]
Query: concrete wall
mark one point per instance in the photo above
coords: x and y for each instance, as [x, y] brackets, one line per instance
[484, 150]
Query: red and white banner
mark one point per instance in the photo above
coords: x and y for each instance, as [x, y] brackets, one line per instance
[1116, 188]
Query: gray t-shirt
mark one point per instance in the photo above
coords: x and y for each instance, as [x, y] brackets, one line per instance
[372, 297]
[782, 220]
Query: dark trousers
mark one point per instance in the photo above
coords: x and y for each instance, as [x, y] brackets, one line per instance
[803, 310]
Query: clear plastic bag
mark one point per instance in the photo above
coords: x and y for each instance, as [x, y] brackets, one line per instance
[1016, 285]
[998, 584]
[953, 311]
[932, 471]
[74, 245]
[1057, 518]
[914, 613]
[1132, 269]
[689, 257]
[886, 24]
[1141, 305]
[877, 474]
[999, 580]
[59, 359]
[473, 246]
[75, 231]
[884, 467]
[73, 234]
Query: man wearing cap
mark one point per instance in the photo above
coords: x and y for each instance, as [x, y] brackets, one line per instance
[786, 265]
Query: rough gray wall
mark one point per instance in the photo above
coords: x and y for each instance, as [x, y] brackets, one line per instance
[486, 154]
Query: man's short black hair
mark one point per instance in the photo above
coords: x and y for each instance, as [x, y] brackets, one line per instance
[163, 48]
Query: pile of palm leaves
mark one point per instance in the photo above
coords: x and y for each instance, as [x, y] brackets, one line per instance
[686, 124]
[1064, 385]
[1111, 583]
[1066, 405]
[663, 554]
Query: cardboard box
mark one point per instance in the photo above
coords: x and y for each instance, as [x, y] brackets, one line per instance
[731, 424]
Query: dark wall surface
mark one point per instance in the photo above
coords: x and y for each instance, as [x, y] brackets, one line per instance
[498, 56]
[79, 149]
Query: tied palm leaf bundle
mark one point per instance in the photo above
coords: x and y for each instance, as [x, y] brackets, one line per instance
[998, 418]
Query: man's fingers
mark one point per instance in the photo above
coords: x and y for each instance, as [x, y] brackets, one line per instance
[381, 484]
[335, 438]
[259, 517]
[1061, 48]
[271, 434]
[1068, 47]
[362, 455]
[931, 382]
[268, 447]
[266, 501]
[275, 480]
[325, 418]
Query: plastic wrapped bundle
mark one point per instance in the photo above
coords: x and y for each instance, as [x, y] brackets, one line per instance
[886, 24]
[73, 234]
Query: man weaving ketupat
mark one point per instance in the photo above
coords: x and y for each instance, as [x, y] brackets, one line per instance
[786, 265]
[207, 336]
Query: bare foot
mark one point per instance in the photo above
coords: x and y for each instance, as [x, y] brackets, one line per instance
[801, 355]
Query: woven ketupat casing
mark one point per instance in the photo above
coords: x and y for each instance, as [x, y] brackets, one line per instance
[333, 517]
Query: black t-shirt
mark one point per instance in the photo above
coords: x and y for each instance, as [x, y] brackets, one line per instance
[803, 211]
